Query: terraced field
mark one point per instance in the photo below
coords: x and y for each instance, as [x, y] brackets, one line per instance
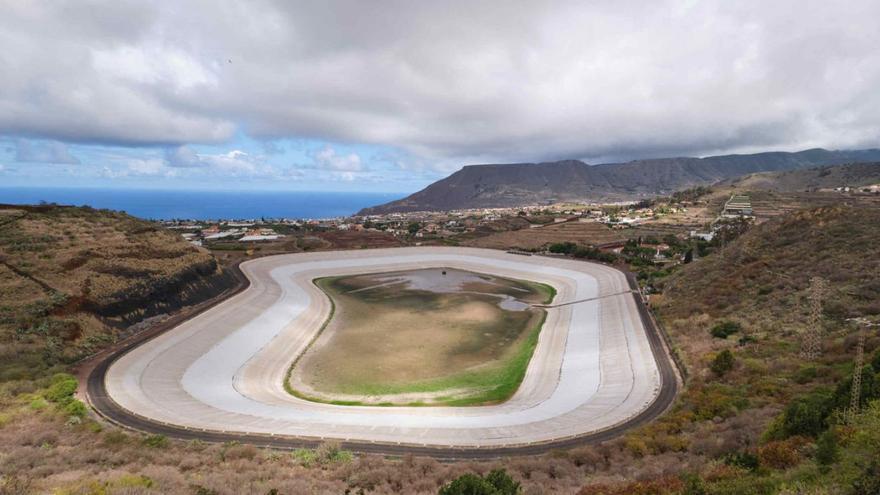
[594, 233]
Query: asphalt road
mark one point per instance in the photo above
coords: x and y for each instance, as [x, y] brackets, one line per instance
[108, 407]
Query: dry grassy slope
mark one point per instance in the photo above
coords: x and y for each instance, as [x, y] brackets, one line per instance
[70, 278]
[854, 174]
[767, 271]
[761, 281]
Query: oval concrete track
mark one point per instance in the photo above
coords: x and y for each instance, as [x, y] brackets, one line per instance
[599, 366]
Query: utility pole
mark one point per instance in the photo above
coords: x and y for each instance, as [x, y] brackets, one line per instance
[811, 346]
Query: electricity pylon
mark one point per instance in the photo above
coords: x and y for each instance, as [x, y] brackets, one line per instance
[811, 345]
[855, 393]
[855, 397]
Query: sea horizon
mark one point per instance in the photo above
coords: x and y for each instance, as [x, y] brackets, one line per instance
[203, 204]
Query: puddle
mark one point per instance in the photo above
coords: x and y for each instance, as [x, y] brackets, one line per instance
[444, 280]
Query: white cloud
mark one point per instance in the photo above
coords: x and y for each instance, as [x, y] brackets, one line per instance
[46, 152]
[235, 163]
[327, 158]
[152, 166]
[183, 157]
[448, 82]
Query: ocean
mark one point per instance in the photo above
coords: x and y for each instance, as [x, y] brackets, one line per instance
[203, 205]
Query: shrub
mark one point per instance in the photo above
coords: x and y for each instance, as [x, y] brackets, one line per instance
[156, 441]
[724, 329]
[503, 483]
[61, 390]
[306, 457]
[563, 247]
[805, 416]
[76, 408]
[779, 455]
[806, 375]
[826, 448]
[497, 482]
[329, 452]
[38, 404]
[745, 460]
[722, 363]
[468, 484]
[868, 482]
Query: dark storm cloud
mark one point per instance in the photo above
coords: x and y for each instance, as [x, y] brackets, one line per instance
[447, 81]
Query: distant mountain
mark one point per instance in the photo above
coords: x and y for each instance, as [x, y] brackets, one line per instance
[830, 176]
[518, 184]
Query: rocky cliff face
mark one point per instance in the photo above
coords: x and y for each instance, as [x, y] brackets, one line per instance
[486, 186]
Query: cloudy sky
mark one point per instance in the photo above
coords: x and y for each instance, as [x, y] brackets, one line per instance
[390, 95]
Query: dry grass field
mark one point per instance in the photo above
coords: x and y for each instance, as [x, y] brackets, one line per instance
[422, 337]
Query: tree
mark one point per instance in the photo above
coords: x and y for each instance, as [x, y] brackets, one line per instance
[722, 363]
[414, 227]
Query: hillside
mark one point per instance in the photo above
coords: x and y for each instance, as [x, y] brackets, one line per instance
[811, 179]
[484, 186]
[72, 279]
[723, 436]
[769, 398]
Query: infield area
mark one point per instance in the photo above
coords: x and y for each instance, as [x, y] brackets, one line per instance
[431, 336]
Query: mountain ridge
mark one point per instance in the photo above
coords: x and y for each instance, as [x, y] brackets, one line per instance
[519, 184]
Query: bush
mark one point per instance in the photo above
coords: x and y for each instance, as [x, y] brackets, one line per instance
[497, 482]
[806, 375]
[38, 404]
[468, 484]
[804, 416]
[563, 248]
[868, 482]
[76, 408]
[592, 253]
[724, 329]
[745, 460]
[329, 452]
[156, 441]
[779, 455]
[503, 483]
[722, 363]
[62, 389]
[826, 448]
